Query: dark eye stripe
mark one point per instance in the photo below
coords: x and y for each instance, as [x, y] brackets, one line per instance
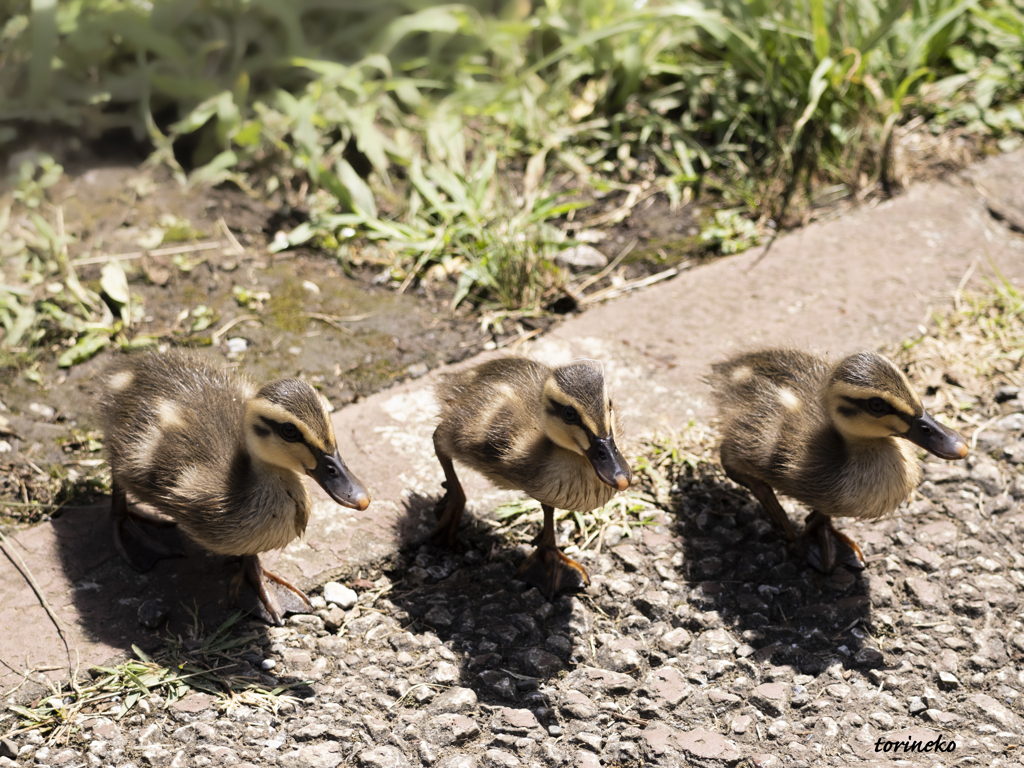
[557, 410]
[280, 428]
[862, 404]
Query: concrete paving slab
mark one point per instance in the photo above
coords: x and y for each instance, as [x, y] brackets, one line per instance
[870, 277]
[1000, 180]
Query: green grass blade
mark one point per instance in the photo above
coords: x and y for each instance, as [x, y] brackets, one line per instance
[820, 28]
[44, 43]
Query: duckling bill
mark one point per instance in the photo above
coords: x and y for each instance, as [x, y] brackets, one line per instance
[549, 432]
[837, 437]
[222, 459]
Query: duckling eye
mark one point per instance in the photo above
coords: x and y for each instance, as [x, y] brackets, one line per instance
[877, 406]
[570, 415]
[290, 432]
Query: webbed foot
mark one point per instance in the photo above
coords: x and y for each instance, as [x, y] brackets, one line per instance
[819, 531]
[279, 596]
[553, 573]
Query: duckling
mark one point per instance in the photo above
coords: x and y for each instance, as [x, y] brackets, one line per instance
[221, 458]
[549, 432]
[825, 434]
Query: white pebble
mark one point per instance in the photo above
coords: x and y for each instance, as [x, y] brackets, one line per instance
[268, 664]
[237, 345]
[5, 447]
[43, 411]
[340, 595]
[310, 286]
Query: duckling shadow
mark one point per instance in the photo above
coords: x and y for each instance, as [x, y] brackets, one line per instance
[503, 637]
[119, 607]
[741, 573]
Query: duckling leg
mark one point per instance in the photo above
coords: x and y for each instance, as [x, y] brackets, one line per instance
[147, 551]
[547, 568]
[449, 509]
[764, 493]
[820, 526]
[276, 601]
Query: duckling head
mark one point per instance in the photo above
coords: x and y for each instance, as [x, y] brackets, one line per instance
[287, 425]
[869, 397]
[577, 415]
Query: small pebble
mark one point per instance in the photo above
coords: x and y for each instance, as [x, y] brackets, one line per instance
[416, 370]
[340, 595]
[237, 345]
[268, 664]
[153, 613]
[42, 411]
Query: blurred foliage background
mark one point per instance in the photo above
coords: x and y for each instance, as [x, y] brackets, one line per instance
[476, 135]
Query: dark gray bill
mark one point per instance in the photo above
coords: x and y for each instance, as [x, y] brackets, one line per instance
[341, 485]
[935, 438]
[608, 463]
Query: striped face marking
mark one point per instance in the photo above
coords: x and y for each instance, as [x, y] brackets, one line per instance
[577, 410]
[578, 397]
[872, 398]
[289, 425]
[295, 403]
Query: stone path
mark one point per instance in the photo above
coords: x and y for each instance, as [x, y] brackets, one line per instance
[870, 277]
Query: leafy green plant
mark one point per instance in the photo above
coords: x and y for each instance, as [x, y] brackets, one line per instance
[390, 123]
[43, 303]
[731, 232]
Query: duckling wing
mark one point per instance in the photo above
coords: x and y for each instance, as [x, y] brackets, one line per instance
[172, 427]
[770, 412]
[489, 417]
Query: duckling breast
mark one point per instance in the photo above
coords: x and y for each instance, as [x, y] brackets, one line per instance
[873, 481]
[267, 514]
[568, 481]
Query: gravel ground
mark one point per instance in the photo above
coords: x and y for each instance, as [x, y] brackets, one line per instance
[702, 641]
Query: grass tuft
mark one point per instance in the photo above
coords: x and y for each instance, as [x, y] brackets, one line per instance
[212, 662]
[390, 124]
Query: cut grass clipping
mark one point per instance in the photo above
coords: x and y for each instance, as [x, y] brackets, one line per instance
[212, 664]
[391, 124]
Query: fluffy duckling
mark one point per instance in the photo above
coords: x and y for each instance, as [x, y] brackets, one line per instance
[825, 434]
[221, 458]
[549, 432]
